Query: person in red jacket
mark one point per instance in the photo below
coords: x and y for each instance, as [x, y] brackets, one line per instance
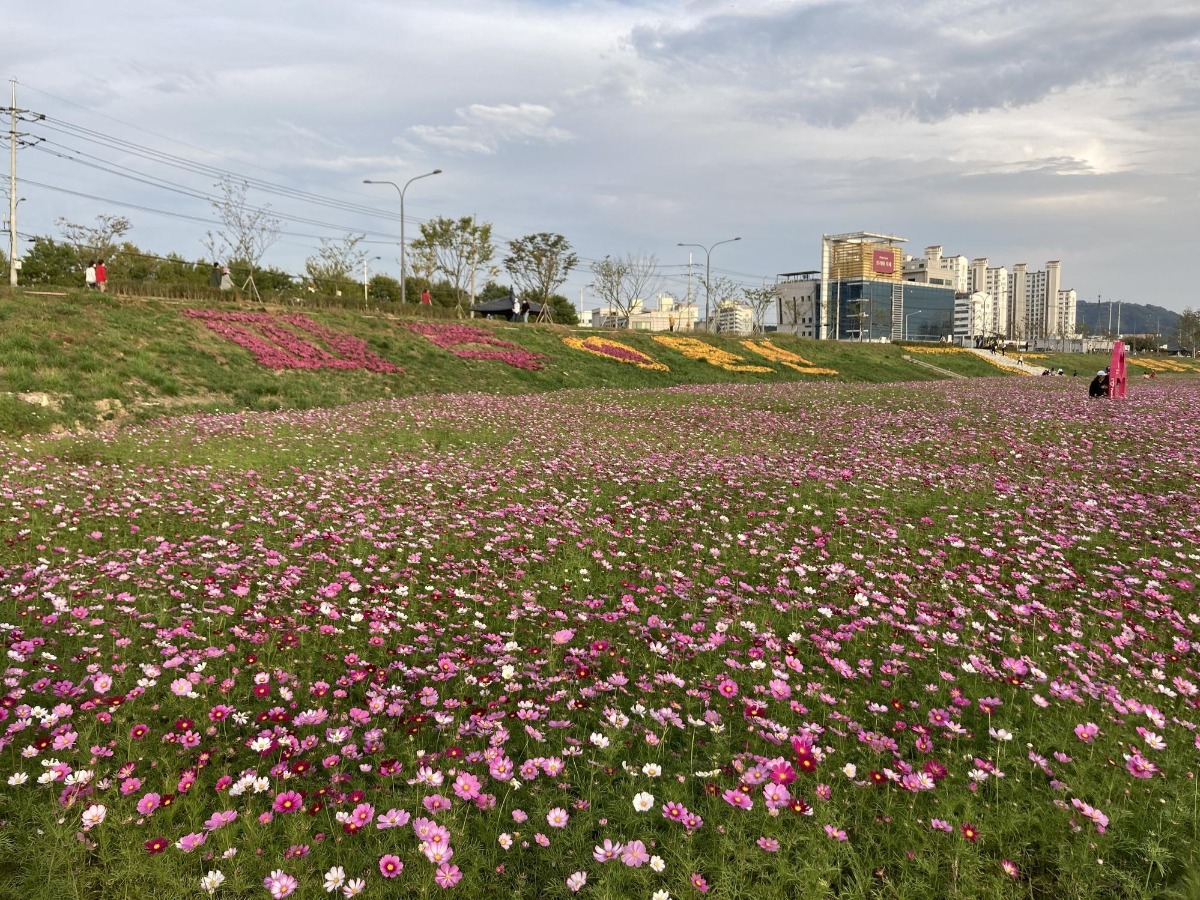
[101, 277]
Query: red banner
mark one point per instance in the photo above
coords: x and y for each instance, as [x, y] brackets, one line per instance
[883, 262]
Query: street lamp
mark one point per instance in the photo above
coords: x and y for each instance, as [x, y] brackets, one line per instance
[708, 274]
[367, 259]
[907, 317]
[400, 191]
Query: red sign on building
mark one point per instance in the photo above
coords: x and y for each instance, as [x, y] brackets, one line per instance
[883, 262]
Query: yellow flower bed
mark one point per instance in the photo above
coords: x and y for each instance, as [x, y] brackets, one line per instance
[934, 350]
[616, 351]
[1163, 365]
[696, 349]
[785, 358]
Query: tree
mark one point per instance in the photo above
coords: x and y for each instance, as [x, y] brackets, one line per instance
[621, 282]
[384, 287]
[760, 300]
[562, 310]
[247, 232]
[93, 242]
[50, 262]
[1188, 330]
[459, 249]
[336, 264]
[539, 264]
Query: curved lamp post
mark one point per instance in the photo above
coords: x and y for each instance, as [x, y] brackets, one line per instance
[708, 274]
[909, 316]
[400, 191]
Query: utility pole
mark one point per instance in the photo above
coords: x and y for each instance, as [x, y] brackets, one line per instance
[12, 188]
[13, 136]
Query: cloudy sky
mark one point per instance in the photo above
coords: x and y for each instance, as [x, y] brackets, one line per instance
[1019, 130]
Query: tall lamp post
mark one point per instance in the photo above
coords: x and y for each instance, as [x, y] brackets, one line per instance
[367, 259]
[708, 274]
[400, 191]
[907, 317]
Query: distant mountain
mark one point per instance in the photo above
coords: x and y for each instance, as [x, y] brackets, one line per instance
[1135, 318]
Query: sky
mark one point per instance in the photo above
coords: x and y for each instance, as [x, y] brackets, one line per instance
[1017, 130]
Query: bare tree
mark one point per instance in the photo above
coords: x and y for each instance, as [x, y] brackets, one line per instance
[97, 241]
[459, 249]
[539, 264]
[247, 232]
[336, 263]
[760, 300]
[622, 282]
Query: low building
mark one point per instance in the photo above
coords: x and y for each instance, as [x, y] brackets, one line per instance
[671, 315]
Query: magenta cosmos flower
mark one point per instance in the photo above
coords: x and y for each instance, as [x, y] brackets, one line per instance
[288, 802]
[390, 865]
[280, 884]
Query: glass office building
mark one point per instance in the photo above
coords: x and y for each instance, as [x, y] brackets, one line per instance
[868, 311]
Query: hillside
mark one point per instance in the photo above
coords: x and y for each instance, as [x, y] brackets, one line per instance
[77, 361]
[1135, 318]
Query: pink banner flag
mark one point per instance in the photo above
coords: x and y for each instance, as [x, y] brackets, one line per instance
[1116, 371]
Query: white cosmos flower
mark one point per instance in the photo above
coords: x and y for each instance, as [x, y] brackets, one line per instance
[643, 801]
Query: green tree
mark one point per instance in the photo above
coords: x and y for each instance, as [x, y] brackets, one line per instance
[539, 264]
[384, 287]
[459, 249]
[562, 310]
[51, 262]
[760, 301]
[337, 264]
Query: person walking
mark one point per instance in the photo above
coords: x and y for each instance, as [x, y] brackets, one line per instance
[101, 277]
[214, 276]
[89, 275]
[226, 279]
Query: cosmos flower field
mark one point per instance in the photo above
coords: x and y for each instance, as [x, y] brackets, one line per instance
[783, 641]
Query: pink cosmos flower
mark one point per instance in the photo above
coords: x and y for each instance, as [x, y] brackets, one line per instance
[769, 844]
[1090, 812]
[220, 819]
[361, 816]
[1138, 766]
[436, 803]
[190, 842]
[447, 876]
[738, 799]
[607, 851]
[1087, 732]
[674, 811]
[280, 884]
[393, 818]
[635, 855]
[576, 881]
[836, 833]
[390, 865]
[557, 817]
[1010, 868]
[697, 881]
[149, 803]
[288, 802]
[466, 786]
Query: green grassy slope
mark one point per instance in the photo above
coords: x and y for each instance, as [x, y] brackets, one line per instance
[73, 362]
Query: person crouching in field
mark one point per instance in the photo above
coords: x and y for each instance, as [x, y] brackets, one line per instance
[1099, 385]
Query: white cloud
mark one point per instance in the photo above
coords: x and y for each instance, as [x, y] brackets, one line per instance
[483, 129]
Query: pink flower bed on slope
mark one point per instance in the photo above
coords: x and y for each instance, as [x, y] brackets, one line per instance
[462, 341]
[277, 347]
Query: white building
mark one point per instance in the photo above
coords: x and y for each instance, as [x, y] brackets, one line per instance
[671, 315]
[993, 281]
[934, 268]
[1063, 324]
[733, 317]
[975, 316]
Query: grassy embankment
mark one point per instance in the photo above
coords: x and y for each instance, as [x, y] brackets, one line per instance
[76, 361]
